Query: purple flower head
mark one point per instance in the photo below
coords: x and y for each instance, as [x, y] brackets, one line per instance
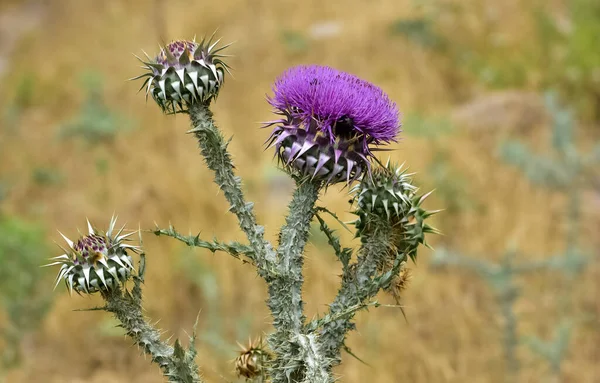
[336, 113]
[92, 245]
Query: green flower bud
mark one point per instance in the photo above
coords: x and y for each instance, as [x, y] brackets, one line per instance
[97, 261]
[389, 196]
[183, 73]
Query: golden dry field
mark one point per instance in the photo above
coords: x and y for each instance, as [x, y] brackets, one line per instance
[57, 55]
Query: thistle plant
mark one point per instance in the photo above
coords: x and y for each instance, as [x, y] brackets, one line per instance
[568, 172]
[331, 123]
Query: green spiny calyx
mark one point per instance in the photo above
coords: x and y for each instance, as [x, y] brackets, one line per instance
[97, 261]
[388, 194]
[183, 73]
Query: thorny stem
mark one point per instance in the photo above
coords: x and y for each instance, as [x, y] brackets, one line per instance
[282, 271]
[235, 249]
[177, 364]
[214, 149]
[358, 285]
[285, 292]
[315, 365]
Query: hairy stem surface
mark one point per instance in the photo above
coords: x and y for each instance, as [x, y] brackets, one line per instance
[214, 149]
[235, 249]
[176, 364]
[285, 292]
[358, 285]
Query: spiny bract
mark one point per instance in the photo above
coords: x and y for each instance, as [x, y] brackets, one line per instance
[390, 195]
[96, 261]
[331, 122]
[388, 191]
[183, 73]
[251, 363]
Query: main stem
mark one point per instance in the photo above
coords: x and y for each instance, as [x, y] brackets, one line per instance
[214, 150]
[297, 355]
[290, 259]
[285, 292]
[357, 286]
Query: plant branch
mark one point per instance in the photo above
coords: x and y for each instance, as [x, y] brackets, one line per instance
[234, 249]
[342, 253]
[360, 283]
[177, 364]
[214, 149]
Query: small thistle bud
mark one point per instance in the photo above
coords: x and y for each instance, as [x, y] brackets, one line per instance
[331, 121]
[96, 261]
[251, 363]
[183, 73]
[400, 282]
[389, 194]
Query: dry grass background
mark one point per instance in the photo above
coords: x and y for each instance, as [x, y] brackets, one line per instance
[156, 174]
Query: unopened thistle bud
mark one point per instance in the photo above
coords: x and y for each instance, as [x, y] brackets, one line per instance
[251, 363]
[97, 261]
[331, 123]
[183, 73]
[389, 195]
[400, 282]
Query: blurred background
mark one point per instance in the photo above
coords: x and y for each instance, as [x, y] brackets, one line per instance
[501, 116]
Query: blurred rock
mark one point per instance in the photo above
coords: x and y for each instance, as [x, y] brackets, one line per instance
[511, 111]
[325, 30]
[15, 23]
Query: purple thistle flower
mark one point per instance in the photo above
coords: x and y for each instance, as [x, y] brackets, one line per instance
[332, 120]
